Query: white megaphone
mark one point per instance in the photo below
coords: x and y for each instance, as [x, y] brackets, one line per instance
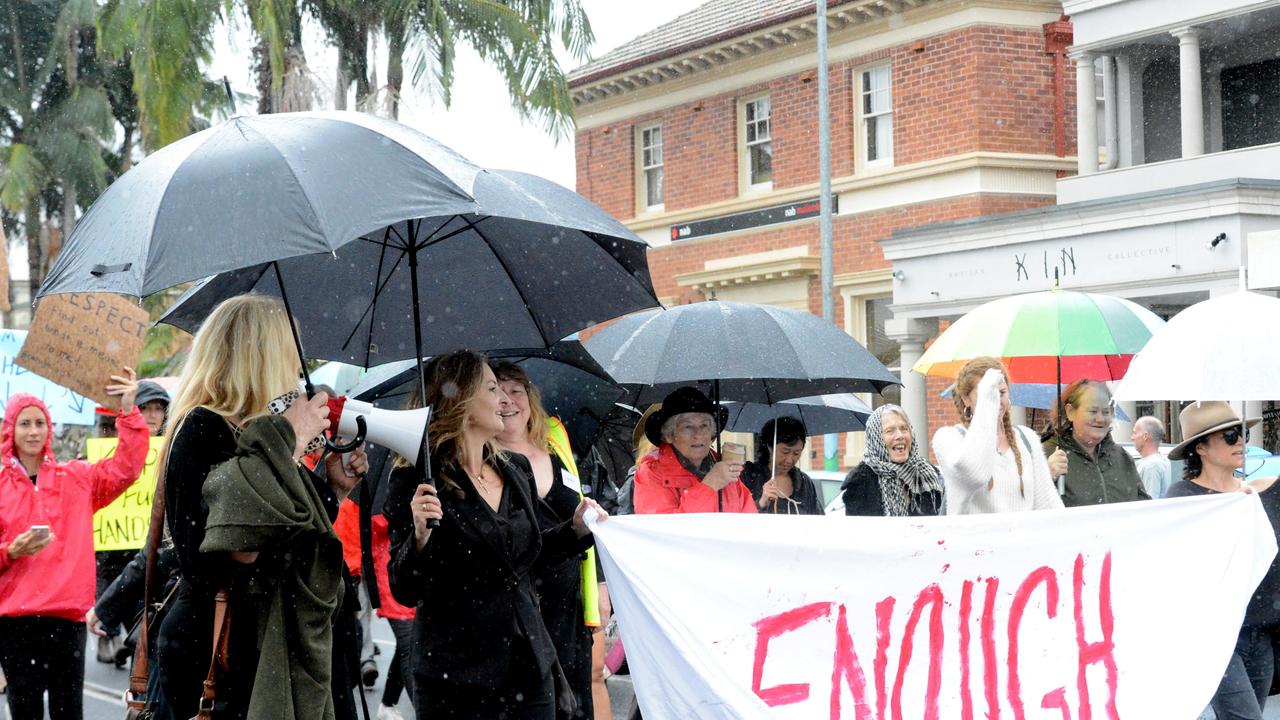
[400, 431]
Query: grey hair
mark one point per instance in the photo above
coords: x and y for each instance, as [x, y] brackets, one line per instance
[1153, 426]
[668, 430]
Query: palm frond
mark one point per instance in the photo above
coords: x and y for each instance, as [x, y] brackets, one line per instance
[24, 177]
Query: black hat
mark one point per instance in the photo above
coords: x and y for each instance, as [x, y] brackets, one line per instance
[682, 400]
[148, 391]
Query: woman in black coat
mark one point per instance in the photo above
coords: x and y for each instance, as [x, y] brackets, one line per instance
[893, 479]
[776, 484]
[480, 647]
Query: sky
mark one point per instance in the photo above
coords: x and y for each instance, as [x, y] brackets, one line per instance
[480, 123]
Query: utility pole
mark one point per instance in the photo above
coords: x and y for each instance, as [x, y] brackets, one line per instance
[831, 441]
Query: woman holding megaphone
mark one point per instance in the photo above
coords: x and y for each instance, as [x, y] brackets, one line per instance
[250, 524]
[480, 648]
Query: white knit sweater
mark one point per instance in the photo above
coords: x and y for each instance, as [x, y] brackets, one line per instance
[970, 461]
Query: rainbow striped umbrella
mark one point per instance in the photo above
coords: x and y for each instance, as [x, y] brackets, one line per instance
[1056, 336]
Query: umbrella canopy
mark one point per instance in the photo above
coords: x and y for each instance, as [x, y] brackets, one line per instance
[753, 353]
[256, 189]
[550, 265]
[574, 387]
[820, 414]
[1213, 350]
[1093, 336]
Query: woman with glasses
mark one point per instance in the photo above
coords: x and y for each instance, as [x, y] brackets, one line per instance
[1213, 450]
[683, 475]
[1098, 470]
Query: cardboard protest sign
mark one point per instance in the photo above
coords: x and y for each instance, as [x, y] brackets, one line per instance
[66, 407]
[79, 340]
[1075, 613]
[122, 525]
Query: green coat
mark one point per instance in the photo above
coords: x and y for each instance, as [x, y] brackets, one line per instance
[1111, 477]
[262, 500]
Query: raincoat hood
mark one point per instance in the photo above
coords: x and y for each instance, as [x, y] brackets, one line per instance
[16, 404]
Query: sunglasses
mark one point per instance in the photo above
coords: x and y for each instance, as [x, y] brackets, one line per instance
[1231, 436]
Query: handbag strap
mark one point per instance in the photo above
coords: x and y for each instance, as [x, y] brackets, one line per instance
[141, 664]
[221, 634]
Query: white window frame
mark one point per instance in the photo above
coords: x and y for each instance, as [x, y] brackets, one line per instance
[744, 149]
[863, 147]
[642, 185]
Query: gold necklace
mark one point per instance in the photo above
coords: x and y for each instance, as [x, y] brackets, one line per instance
[479, 479]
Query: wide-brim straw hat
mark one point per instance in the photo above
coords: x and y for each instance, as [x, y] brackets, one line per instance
[1201, 419]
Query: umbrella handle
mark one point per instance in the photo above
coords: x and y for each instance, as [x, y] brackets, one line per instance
[361, 429]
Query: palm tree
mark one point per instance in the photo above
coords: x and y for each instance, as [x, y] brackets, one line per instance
[56, 118]
[518, 37]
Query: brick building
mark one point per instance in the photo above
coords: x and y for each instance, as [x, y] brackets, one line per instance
[701, 135]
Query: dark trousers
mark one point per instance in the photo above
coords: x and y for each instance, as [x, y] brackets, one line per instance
[109, 565]
[524, 696]
[41, 654]
[400, 673]
[1247, 681]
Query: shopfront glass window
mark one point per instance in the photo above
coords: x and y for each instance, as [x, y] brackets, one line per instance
[885, 350]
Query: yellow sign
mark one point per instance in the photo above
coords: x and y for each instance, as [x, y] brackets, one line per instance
[122, 525]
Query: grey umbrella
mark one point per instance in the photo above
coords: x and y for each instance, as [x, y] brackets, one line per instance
[256, 189]
[533, 265]
[820, 414]
[735, 351]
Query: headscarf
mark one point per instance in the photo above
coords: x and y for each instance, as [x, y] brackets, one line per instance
[898, 483]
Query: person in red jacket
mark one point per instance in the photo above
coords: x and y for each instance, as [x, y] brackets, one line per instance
[399, 617]
[46, 549]
[683, 474]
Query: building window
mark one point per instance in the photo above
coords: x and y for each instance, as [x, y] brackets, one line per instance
[651, 174]
[758, 142]
[877, 115]
[1250, 104]
[885, 349]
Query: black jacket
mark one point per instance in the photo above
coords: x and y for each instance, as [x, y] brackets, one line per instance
[862, 495]
[477, 609]
[803, 490]
[121, 602]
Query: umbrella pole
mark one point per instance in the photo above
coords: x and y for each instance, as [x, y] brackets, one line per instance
[424, 452]
[715, 392]
[293, 328]
[1057, 421]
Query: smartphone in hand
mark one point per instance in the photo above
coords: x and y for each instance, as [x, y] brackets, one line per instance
[40, 532]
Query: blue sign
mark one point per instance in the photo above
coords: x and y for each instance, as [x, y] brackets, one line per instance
[65, 406]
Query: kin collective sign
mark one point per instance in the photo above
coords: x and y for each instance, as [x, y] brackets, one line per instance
[1074, 614]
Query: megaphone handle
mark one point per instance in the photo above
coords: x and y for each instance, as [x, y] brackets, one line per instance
[361, 431]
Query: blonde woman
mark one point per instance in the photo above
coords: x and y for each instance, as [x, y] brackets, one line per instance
[480, 647]
[988, 464]
[247, 517]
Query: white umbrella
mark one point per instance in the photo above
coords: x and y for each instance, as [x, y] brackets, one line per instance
[1218, 349]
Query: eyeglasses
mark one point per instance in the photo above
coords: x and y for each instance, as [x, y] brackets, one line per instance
[1231, 436]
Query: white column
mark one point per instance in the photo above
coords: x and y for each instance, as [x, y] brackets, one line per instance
[1189, 82]
[1253, 409]
[1086, 115]
[911, 335]
[1122, 431]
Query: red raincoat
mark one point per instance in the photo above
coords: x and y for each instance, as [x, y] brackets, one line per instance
[59, 580]
[663, 485]
[348, 528]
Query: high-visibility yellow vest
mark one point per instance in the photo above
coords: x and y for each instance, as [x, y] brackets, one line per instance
[558, 441]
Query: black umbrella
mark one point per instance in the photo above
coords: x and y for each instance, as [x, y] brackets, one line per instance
[820, 415]
[735, 351]
[574, 387]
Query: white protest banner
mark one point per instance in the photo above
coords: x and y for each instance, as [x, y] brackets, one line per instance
[1118, 611]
